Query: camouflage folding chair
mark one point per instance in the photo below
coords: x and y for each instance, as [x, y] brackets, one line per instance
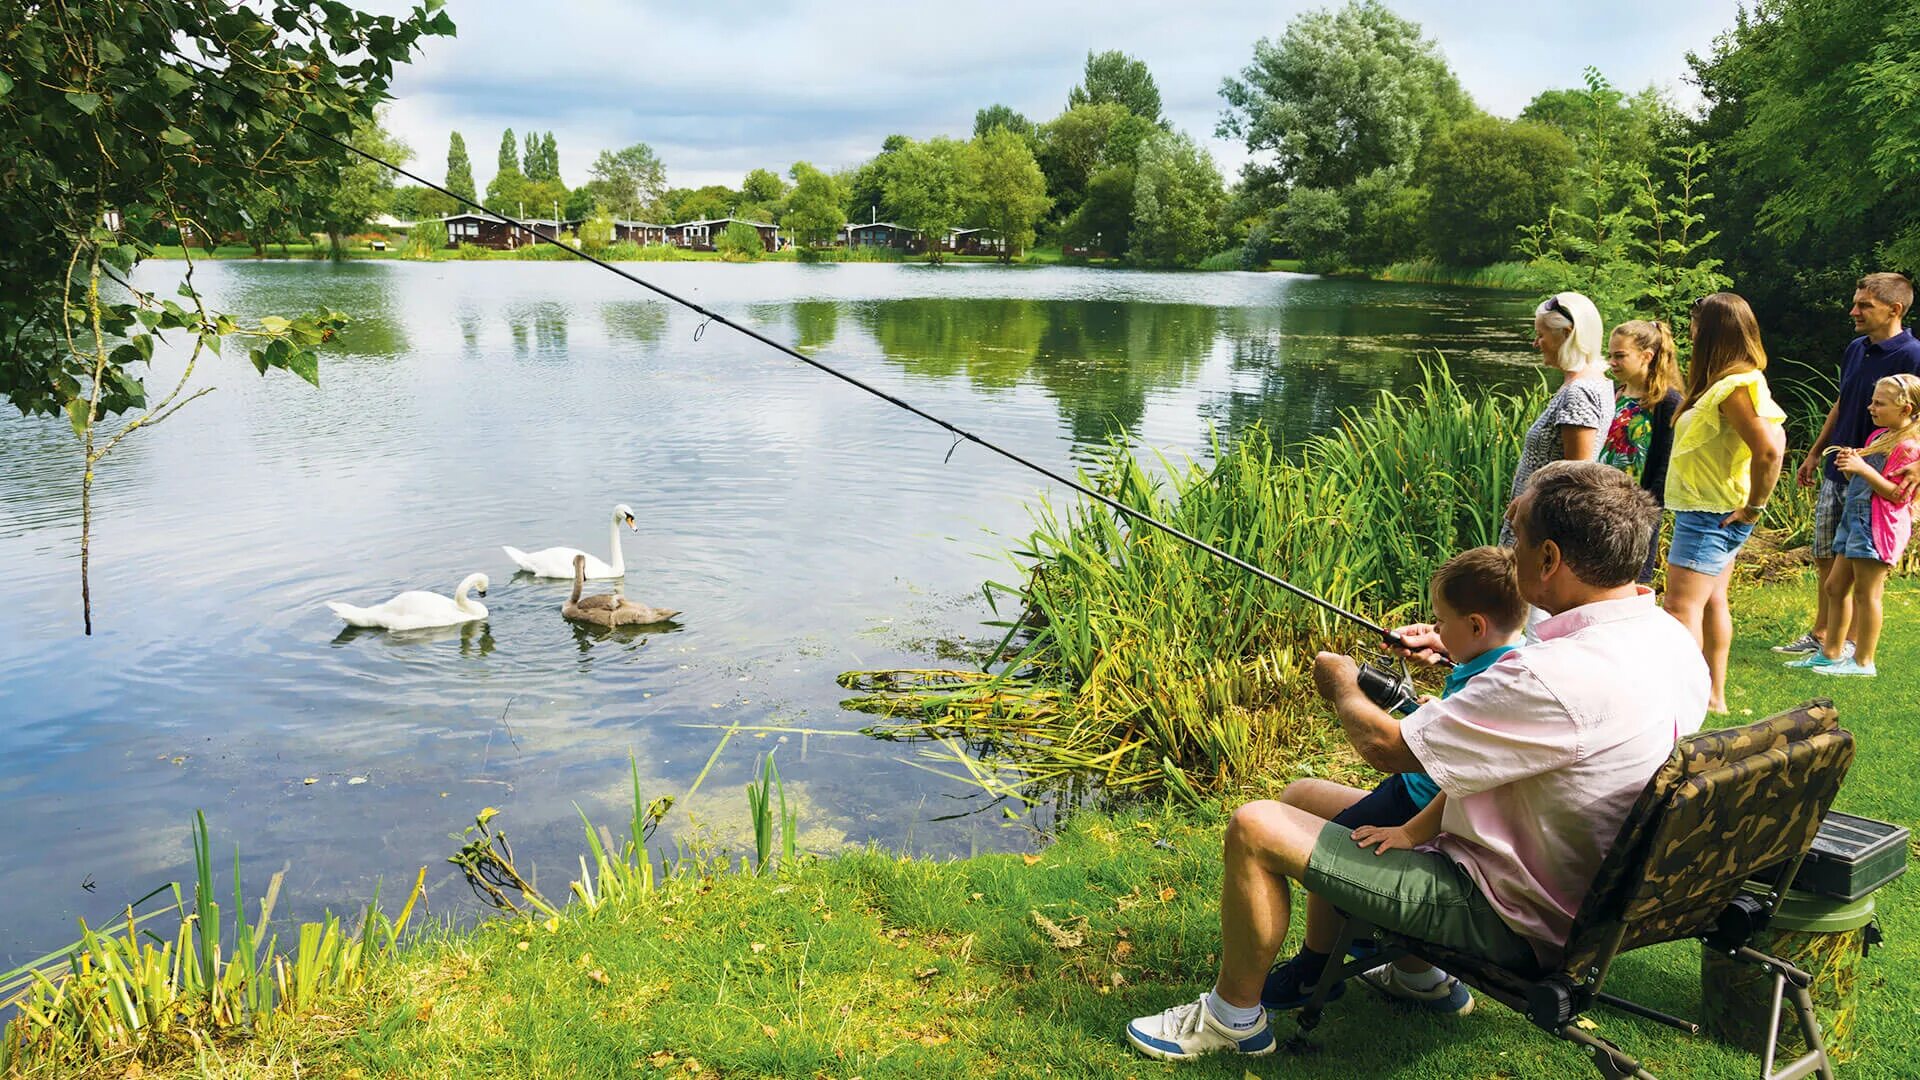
[1728, 806]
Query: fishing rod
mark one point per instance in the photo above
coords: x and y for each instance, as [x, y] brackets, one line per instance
[1378, 682]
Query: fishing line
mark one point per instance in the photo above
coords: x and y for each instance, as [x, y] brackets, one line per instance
[960, 435]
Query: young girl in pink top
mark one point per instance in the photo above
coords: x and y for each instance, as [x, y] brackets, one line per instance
[1875, 525]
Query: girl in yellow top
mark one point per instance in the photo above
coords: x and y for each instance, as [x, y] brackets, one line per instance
[1728, 444]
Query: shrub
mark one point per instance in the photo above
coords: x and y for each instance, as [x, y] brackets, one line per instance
[740, 241]
[1230, 259]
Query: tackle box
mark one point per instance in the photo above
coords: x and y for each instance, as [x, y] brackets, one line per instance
[1852, 856]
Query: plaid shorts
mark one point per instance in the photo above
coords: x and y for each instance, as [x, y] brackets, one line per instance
[1826, 515]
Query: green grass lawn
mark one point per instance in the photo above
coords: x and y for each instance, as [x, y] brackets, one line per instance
[868, 965]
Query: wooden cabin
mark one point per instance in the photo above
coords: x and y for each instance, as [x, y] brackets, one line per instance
[885, 234]
[481, 230]
[975, 242]
[638, 232]
[703, 235]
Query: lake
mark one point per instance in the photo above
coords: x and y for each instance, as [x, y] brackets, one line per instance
[804, 528]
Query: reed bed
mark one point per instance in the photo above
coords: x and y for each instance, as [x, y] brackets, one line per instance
[1154, 666]
[1511, 276]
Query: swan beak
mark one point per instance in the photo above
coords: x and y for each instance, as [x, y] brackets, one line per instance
[480, 592]
[632, 524]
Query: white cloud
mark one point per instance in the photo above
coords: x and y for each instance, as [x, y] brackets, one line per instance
[725, 86]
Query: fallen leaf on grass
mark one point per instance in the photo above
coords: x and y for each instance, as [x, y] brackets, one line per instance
[769, 1031]
[660, 1059]
[598, 976]
[134, 1069]
[1117, 979]
[926, 973]
[1123, 949]
[758, 947]
[1029, 859]
[424, 1013]
[1166, 894]
[1587, 1024]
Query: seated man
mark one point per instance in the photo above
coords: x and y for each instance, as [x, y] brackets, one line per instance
[1540, 758]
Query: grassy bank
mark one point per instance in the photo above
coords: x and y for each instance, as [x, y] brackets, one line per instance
[1506, 276]
[873, 966]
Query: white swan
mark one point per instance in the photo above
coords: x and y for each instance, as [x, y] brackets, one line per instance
[419, 610]
[558, 561]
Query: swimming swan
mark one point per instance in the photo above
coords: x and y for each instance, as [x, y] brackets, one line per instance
[608, 609]
[419, 610]
[558, 561]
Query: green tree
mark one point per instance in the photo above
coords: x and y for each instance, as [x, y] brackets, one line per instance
[630, 181]
[740, 241]
[359, 190]
[1605, 124]
[1002, 116]
[1116, 78]
[1009, 193]
[1487, 178]
[929, 187]
[1105, 216]
[1177, 198]
[404, 201]
[763, 187]
[1342, 94]
[1313, 225]
[541, 198]
[549, 159]
[1072, 146]
[816, 209]
[459, 169]
[503, 191]
[1815, 142]
[1386, 219]
[596, 231]
[122, 143]
[700, 204]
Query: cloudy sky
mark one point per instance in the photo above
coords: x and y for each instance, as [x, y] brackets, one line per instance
[723, 86]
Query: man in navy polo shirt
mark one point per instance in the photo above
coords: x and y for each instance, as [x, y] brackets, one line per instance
[1885, 347]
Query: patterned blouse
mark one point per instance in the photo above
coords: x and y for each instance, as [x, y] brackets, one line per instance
[1585, 402]
[1625, 447]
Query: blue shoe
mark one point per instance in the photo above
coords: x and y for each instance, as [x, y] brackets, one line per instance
[1288, 987]
[1848, 666]
[1815, 660]
[1448, 997]
[1186, 1031]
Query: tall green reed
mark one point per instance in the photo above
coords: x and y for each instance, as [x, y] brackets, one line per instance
[1141, 656]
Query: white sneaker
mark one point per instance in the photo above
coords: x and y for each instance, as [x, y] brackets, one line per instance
[1187, 1031]
[1448, 996]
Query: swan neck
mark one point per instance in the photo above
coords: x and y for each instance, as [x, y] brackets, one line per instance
[579, 581]
[460, 598]
[619, 560]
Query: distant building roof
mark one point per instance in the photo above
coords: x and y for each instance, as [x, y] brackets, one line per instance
[723, 221]
[638, 224]
[878, 225]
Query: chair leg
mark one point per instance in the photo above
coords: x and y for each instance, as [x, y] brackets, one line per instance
[1337, 971]
[1790, 982]
[1613, 1062]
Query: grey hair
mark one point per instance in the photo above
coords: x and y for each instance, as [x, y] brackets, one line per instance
[1601, 520]
[1584, 343]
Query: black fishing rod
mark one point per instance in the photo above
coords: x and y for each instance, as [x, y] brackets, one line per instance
[1377, 681]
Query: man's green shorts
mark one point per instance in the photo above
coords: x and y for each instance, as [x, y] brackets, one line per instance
[1422, 894]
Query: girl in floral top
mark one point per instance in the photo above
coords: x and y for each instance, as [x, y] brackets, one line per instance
[1640, 356]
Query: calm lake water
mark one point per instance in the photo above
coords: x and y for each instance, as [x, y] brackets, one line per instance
[804, 528]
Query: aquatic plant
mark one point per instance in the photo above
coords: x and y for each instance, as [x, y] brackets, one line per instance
[1147, 663]
[1512, 276]
[125, 991]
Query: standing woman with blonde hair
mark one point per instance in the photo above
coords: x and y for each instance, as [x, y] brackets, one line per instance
[1728, 444]
[1641, 358]
[1568, 332]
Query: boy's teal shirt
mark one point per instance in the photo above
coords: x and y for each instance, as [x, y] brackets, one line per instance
[1420, 787]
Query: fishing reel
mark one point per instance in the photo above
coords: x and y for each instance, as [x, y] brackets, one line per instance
[1385, 686]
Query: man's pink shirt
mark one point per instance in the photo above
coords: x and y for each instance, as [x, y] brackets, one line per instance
[1542, 755]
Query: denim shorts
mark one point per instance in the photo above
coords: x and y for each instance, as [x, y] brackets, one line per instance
[1701, 544]
[1853, 533]
[1828, 505]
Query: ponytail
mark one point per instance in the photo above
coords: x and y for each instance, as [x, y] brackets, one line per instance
[1663, 370]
